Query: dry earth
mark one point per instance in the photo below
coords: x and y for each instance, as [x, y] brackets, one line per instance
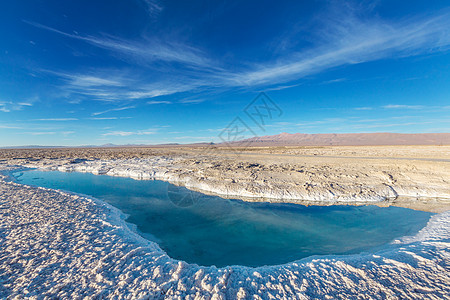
[411, 176]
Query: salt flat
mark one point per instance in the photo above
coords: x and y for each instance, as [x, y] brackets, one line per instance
[58, 244]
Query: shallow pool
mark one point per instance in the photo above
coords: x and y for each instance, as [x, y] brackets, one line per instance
[209, 230]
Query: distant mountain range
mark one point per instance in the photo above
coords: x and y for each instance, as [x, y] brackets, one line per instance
[303, 139]
[349, 139]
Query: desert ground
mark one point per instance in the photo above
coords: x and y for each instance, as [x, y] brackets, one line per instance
[59, 245]
[411, 176]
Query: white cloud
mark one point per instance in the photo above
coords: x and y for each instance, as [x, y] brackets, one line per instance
[89, 80]
[401, 106]
[114, 85]
[105, 118]
[384, 125]
[149, 94]
[10, 127]
[145, 50]
[109, 118]
[159, 102]
[153, 7]
[10, 106]
[118, 133]
[334, 80]
[25, 104]
[161, 89]
[325, 121]
[128, 133]
[344, 39]
[205, 139]
[280, 87]
[41, 133]
[191, 101]
[57, 119]
[113, 109]
[74, 101]
[352, 41]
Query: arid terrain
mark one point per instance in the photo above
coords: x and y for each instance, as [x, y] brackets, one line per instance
[411, 176]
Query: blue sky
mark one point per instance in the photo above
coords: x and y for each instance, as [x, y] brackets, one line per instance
[146, 72]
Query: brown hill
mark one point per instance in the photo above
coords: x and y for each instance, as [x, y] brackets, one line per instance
[350, 139]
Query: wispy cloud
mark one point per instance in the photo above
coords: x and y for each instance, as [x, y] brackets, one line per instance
[128, 133]
[145, 50]
[113, 109]
[401, 106]
[350, 40]
[334, 80]
[10, 106]
[87, 80]
[153, 7]
[115, 85]
[280, 87]
[109, 118]
[321, 122]
[387, 125]
[191, 101]
[57, 119]
[163, 88]
[205, 139]
[10, 127]
[149, 93]
[357, 124]
[106, 118]
[25, 104]
[344, 37]
[100, 84]
[404, 106]
[41, 133]
[158, 102]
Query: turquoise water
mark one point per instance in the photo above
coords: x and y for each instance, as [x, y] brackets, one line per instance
[209, 230]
